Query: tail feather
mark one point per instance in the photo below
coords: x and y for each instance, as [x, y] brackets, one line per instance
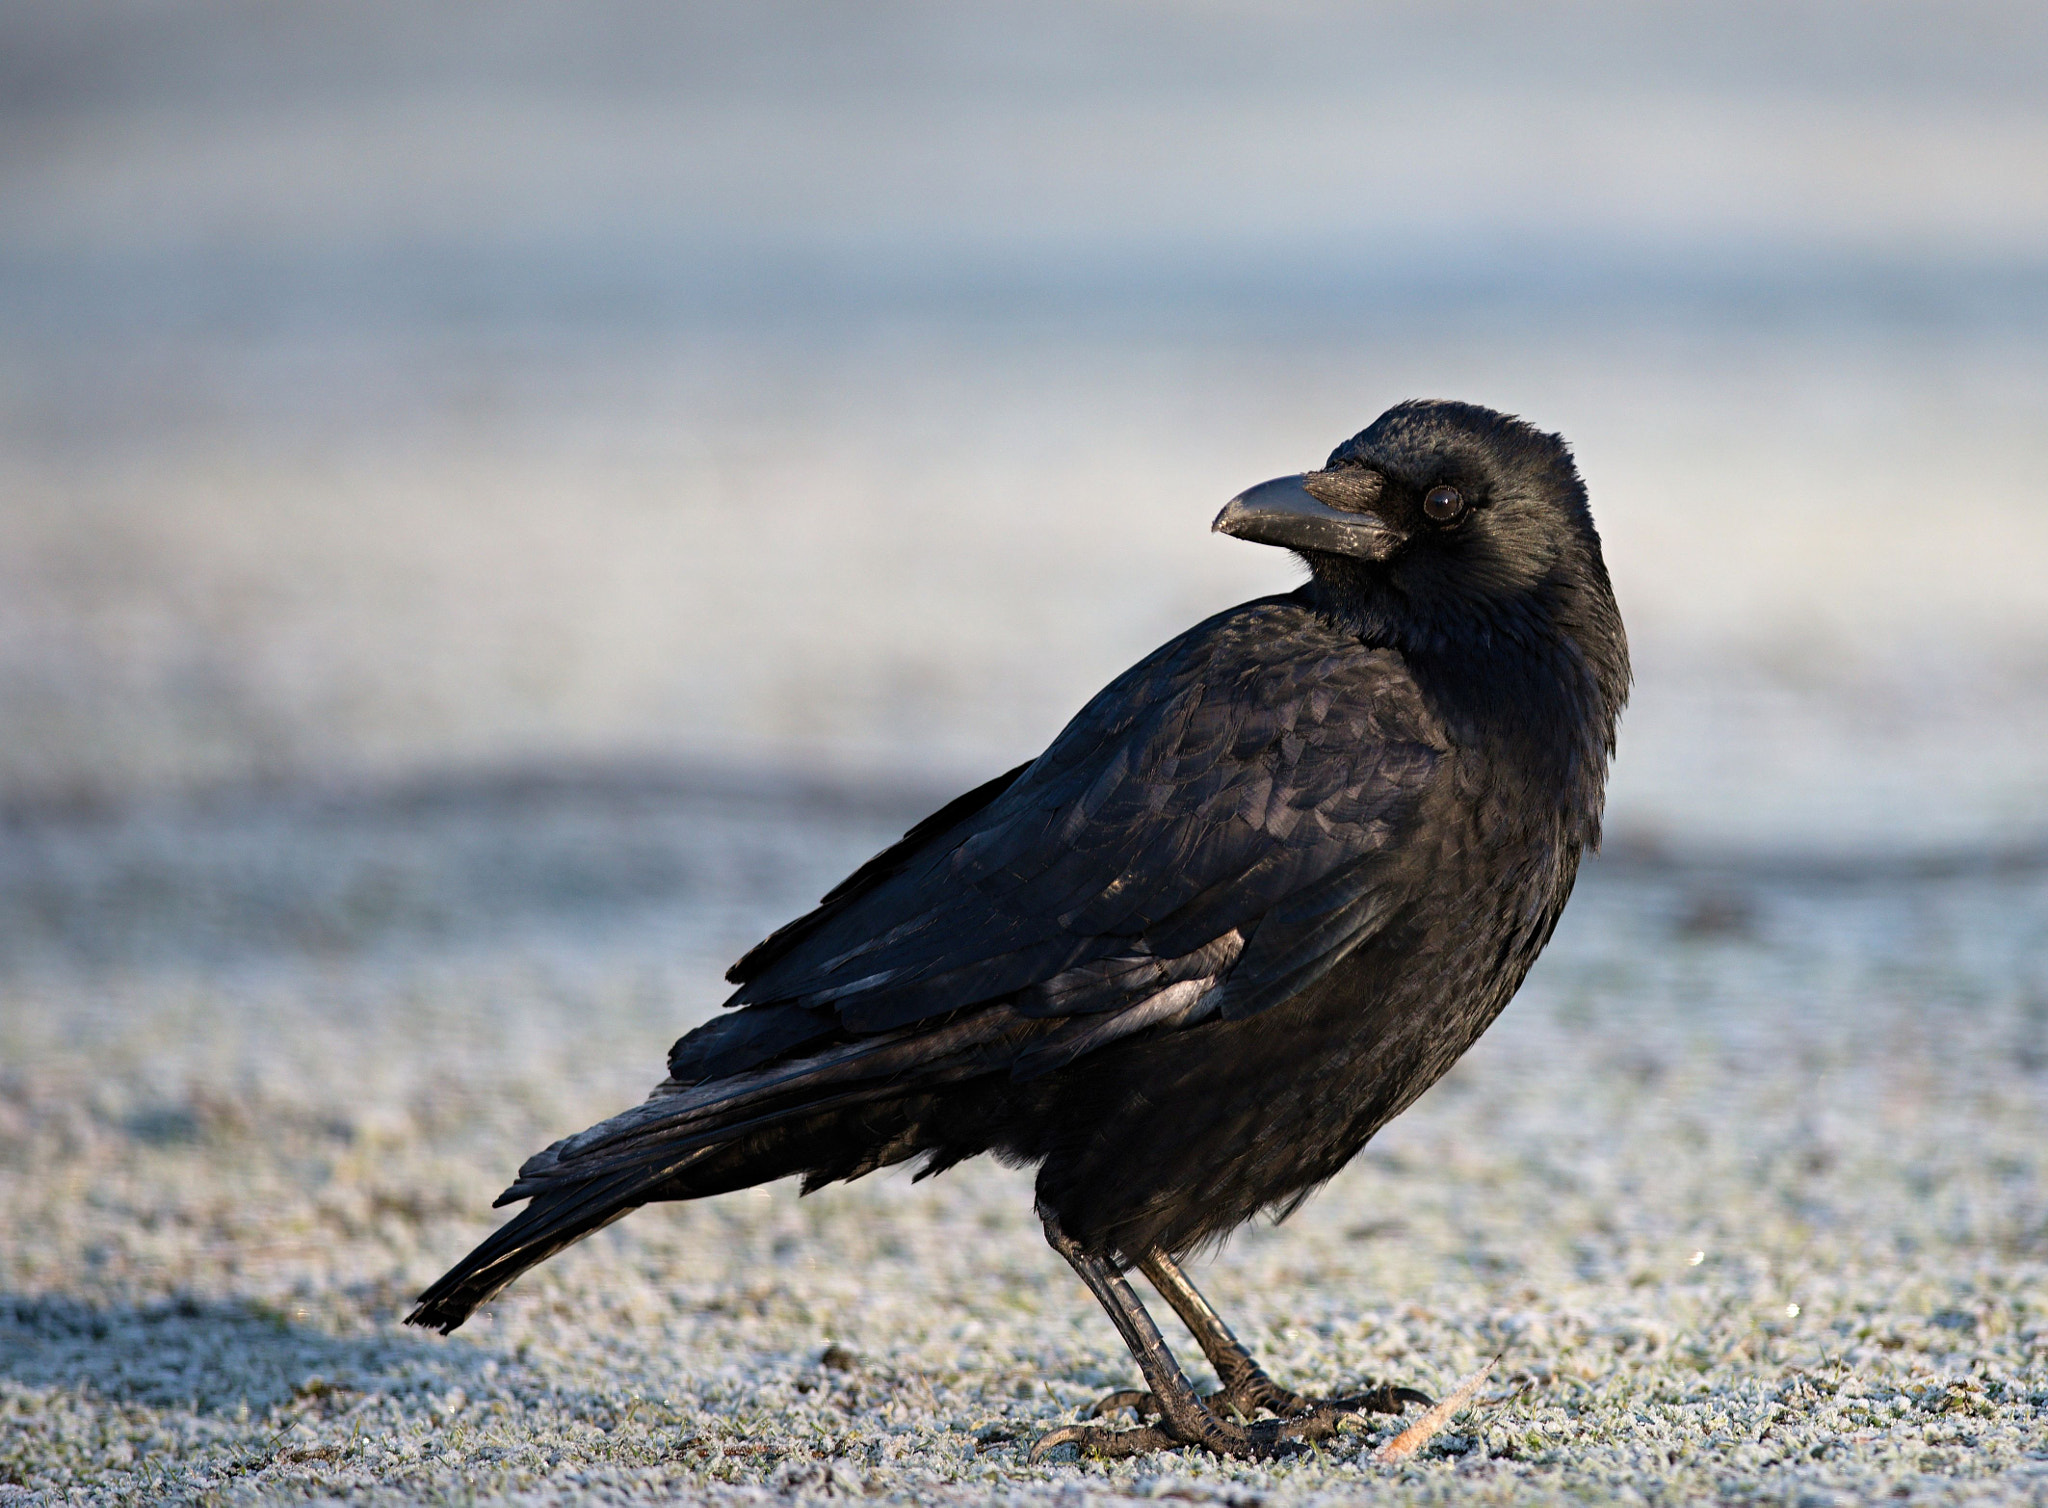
[572, 1204]
[584, 1182]
[559, 1218]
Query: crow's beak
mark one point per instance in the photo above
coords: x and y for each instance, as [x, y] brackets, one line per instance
[1284, 512]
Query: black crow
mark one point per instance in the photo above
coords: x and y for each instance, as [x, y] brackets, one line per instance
[1253, 900]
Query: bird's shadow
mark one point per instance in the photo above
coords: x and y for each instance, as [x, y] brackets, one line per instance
[213, 1356]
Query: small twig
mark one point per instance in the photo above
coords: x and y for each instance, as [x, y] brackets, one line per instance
[1419, 1434]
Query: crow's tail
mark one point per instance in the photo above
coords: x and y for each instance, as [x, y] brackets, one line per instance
[558, 1218]
[584, 1182]
[838, 1112]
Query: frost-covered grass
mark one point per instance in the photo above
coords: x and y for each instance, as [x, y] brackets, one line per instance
[1748, 1190]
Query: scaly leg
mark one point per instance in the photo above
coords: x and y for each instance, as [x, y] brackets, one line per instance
[1184, 1418]
[1246, 1387]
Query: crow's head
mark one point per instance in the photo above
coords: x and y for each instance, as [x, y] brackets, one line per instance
[1443, 522]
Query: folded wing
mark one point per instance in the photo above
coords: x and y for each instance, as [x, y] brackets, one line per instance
[1243, 779]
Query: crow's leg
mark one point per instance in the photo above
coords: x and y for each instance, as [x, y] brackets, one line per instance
[1246, 1387]
[1184, 1418]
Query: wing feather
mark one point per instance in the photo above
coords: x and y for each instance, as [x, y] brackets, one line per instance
[1250, 761]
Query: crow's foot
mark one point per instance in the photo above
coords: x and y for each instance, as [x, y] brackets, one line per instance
[1185, 1416]
[1202, 1425]
[1245, 1399]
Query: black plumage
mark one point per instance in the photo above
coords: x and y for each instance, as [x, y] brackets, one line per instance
[1257, 896]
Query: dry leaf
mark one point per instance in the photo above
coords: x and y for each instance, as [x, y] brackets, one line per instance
[1419, 1434]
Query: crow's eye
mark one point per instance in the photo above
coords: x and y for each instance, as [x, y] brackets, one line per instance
[1444, 504]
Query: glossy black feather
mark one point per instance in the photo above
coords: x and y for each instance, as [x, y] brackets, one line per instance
[1189, 797]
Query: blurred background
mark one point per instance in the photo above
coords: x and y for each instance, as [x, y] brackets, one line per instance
[501, 504]
[392, 392]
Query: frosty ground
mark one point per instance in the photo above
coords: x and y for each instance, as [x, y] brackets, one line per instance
[1747, 1190]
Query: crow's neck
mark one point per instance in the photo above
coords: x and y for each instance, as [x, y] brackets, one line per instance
[1538, 683]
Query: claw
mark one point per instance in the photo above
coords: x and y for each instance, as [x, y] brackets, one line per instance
[1384, 1399]
[1066, 1434]
[1103, 1444]
[1138, 1402]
